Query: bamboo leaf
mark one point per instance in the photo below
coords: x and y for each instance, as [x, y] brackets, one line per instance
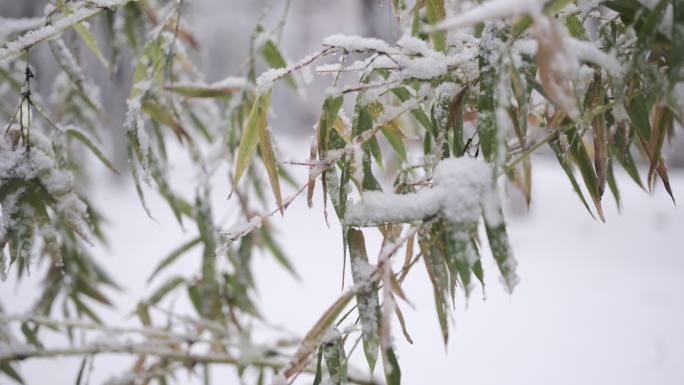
[276, 251]
[81, 370]
[620, 150]
[439, 277]
[612, 184]
[458, 253]
[250, 135]
[88, 38]
[203, 91]
[6, 368]
[498, 239]
[165, 289]
[274, 58]
[172, 257]
[583, 161]
[163, 116]
[367, 295]
[82, 308]
[566, 165]
[269, 160]
[575, 27]
[83, 138]
[30, 335]
[313, 337]
[335, 361]
[600, 133]
[486, 121]
[392, 369]
[435, 12]
[550, 8]
[318, 376]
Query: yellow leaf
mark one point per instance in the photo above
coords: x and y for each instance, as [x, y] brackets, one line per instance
[268, 157]
[250, 135]
[159, 114]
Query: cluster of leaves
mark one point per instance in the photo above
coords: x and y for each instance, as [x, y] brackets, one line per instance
[594, 82]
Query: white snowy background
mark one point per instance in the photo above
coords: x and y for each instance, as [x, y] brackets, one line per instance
[597, 304]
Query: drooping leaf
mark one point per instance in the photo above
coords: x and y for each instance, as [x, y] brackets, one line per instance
[498, 239]
[435, 12]
[335, 361]
[367, 295]
[250, 135]
[269, 159]
[173, 256]
[88, 38]
[163, 116]
[566, 165]
[164, 289]
[583, 161]
[274, 58]
[312, 338]
[392, 369]
[318, 376]
[83, 138]
[6, 368]
[276, 251]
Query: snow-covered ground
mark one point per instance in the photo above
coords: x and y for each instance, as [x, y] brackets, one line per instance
[598, 303]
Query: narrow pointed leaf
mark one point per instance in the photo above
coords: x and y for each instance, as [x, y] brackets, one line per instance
[367, 295]
[250, 135]
[172, 257]
[83, 138]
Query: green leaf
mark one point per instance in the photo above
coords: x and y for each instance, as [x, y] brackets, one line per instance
[83, 285]
[250, 135]
[30, 335]
[575, 27]
[82, 308]
[366, 297]
[318, 376]
[392, 369]
[81, 137]
[439, 276]
[165, 289]
[612, 184]
[551, 8]
[486, 120]
[6, 368]
[90, 41]
[195, 298]
[434, 10]
[276, 251]
[326, 123]
[197, 91]
[394, 141]
[335, 361]
[458, 253]
[566, 165]
[171, 257]
[274, 58]
[498, 239]
[637, 109]
[81, 370]
[583, 161]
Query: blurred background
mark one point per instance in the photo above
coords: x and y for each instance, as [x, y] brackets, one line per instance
[597, 304]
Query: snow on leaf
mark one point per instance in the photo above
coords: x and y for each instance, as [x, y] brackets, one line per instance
[489, 10]
[367, 295]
